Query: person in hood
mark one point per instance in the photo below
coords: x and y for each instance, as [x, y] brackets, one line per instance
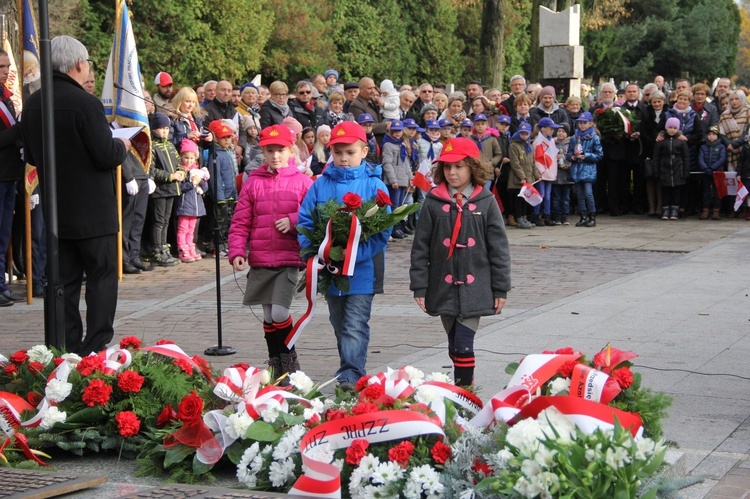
[460, 259]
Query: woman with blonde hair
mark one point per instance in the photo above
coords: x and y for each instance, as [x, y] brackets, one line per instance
[188, 121]
[455, 110]
[441, 102]
[274, 110]
[336, 114]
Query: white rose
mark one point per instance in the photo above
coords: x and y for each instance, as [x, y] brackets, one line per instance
[40, 353]
[301, 381]
[559, 386]
[265, 377]
[58, 390]
[439, 377]
[425, 395]
[51, 416]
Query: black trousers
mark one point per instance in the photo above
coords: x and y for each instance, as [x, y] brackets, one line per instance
[97, 256]
[133, 218]
[618, 186]
[162, 214]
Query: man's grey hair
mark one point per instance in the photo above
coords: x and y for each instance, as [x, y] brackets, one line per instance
[425, 85]
[210, 82]
[303, 83]
[518, 77]
[607, 84]
[66, 53]
[649, 87]
[407, 92]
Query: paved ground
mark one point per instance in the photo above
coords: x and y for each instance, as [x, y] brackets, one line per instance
[674, 292]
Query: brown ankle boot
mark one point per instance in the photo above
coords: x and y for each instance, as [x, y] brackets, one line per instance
[716, 215]
[704, 214]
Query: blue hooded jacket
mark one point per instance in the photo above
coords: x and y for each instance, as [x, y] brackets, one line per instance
[334, 183]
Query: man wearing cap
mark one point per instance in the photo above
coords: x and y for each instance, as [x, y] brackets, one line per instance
[163, 82]
[303, 106]
[548, 107]
[349, 311]
[365, 103]
[351, 91]
[87, 158]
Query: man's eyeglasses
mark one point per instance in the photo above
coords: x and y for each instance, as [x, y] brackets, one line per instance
[304, 92]
[280, 95]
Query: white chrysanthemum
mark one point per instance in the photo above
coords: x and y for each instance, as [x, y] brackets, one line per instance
[438, 377]
[257, 465]
[368, 463]
[237, 425]
[426, 395]
[284, 448]
[322, 453]
[40, 353]
[265, 377]
[267, 450]
[559, 386]
[339, 463]
[414, 374]
[616, 459]
[301, 382]
[525, 435]
[269, 415]
[387, 472]
[58, 390]
[428, 478]
[317, 406]
[246, 474]
[296, 432]
[412, 490]
[72, 358]
[279, 472]
[51, 416]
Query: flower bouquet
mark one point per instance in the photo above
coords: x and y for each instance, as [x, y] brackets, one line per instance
[615, 123]
[339, 228]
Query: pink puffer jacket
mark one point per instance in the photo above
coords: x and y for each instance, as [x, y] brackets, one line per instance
[267, 197]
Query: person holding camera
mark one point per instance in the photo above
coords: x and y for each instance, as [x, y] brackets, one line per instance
[189, 121]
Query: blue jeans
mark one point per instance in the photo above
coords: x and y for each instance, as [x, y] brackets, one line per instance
[561, 199]
[545, 189]
[7, 202]
[350, 316]
[585, 191]
[397, 196]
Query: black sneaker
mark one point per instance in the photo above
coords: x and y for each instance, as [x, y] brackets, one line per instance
[4, 302]
[397, 234]
[12, 296]
[139, 264]
[129, 268]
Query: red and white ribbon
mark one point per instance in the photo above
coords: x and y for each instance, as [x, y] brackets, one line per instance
[456, 394]
[322, 479]
[536, 369]
[503, 406]
[6, 116]
[625, 121]
[591, 384]
[172, 351]
[115, 359]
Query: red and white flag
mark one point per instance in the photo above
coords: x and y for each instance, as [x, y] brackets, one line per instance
[726, 183]
[545, 155]
[741, 195]
[530, 194]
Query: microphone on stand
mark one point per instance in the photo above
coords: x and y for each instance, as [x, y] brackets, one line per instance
[163, 108]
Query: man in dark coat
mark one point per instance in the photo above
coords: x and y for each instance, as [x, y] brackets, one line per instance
[11, 171]
[87, 158]
[221, 107]
[365, 103]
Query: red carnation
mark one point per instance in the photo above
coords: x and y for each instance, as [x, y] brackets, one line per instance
[362, 383]
[351, 201]
[383, 199]
[58, 361]
[166, 416]
[566, 370]
[623, 376]
[98, 392]
[128, 423]
[191, 408]
[364, 408]
[165, 342]
[372, 393]
[11, 370]
[356, 451]
[334, 414]
[36, 367]
[203, 366]
[480, 467]
[20, 357]
[401, 453]
[130, 382]
[34, 398]
[88, 365]
[440, 452]
[130, 342]
[387, 401]
[565, 351]
[184, 365]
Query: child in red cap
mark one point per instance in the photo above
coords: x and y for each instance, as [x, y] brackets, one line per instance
[460, 263]
[263, 236]
[349, 312]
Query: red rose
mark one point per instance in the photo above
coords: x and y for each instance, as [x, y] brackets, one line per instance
[165, 342]
[58, 361]
[401, 453]
[34, 398]
[89, 365]
[36, 367]
[332, 415]
[97, 392]
[20, 357]
[190, 408]
[566, 370]
[130, 342]
[351, 201]
[364, 408]
[623, 376]
[356, 451]
[362, 383]
[440, 452]
[130, 382]
[372, 393]
[184, 365]
[11, 370]
[383, 199]
[241, 365]
[203, 365]
[166, 416]
[128, 423]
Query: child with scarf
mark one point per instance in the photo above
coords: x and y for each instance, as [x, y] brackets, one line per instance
[562, 185]
[320, 151]
[584, 152]
[466, 128]
[489, 149]
[546, 163]
[460, 260]
[522, 171]
[397, 173]
[190, 206]
[373, 149]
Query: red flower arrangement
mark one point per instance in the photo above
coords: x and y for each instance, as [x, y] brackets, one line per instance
[11, 369]
[382, 199]
[351, 201]
[19, 357]
[88, 365]
[98, 392]
[203, 366]
[166, 416]
[334, 414]
[401, 453]
[183, 364]
[357, 451]
[623, 376]
[130, 342]
[130, 382]
[440, 452]
[372, 393]
[364, 408]
[128, 424]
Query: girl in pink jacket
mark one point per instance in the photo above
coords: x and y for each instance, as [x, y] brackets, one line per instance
[263, 236]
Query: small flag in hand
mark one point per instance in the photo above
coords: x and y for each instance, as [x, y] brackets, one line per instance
[421, 181]
[530, 194]
[726, 183]
[741, 195]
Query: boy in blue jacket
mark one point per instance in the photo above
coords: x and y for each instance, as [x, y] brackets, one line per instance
[712, 158]
[349, 312]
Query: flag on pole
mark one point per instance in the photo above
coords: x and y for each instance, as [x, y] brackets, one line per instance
[126, 107]
[12, 83]
[741, 195]
[32, 70]
[530, 194]
[726, 183]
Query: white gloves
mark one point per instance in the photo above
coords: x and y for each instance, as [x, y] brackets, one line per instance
[132, 187]
[33, 201]
[151, 186]
[199, 190]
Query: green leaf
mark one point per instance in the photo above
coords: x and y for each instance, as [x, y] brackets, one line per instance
[336, 254]
[262, 432]
[235, 451]
[177, 454]
[512, 368]
[200, 468]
